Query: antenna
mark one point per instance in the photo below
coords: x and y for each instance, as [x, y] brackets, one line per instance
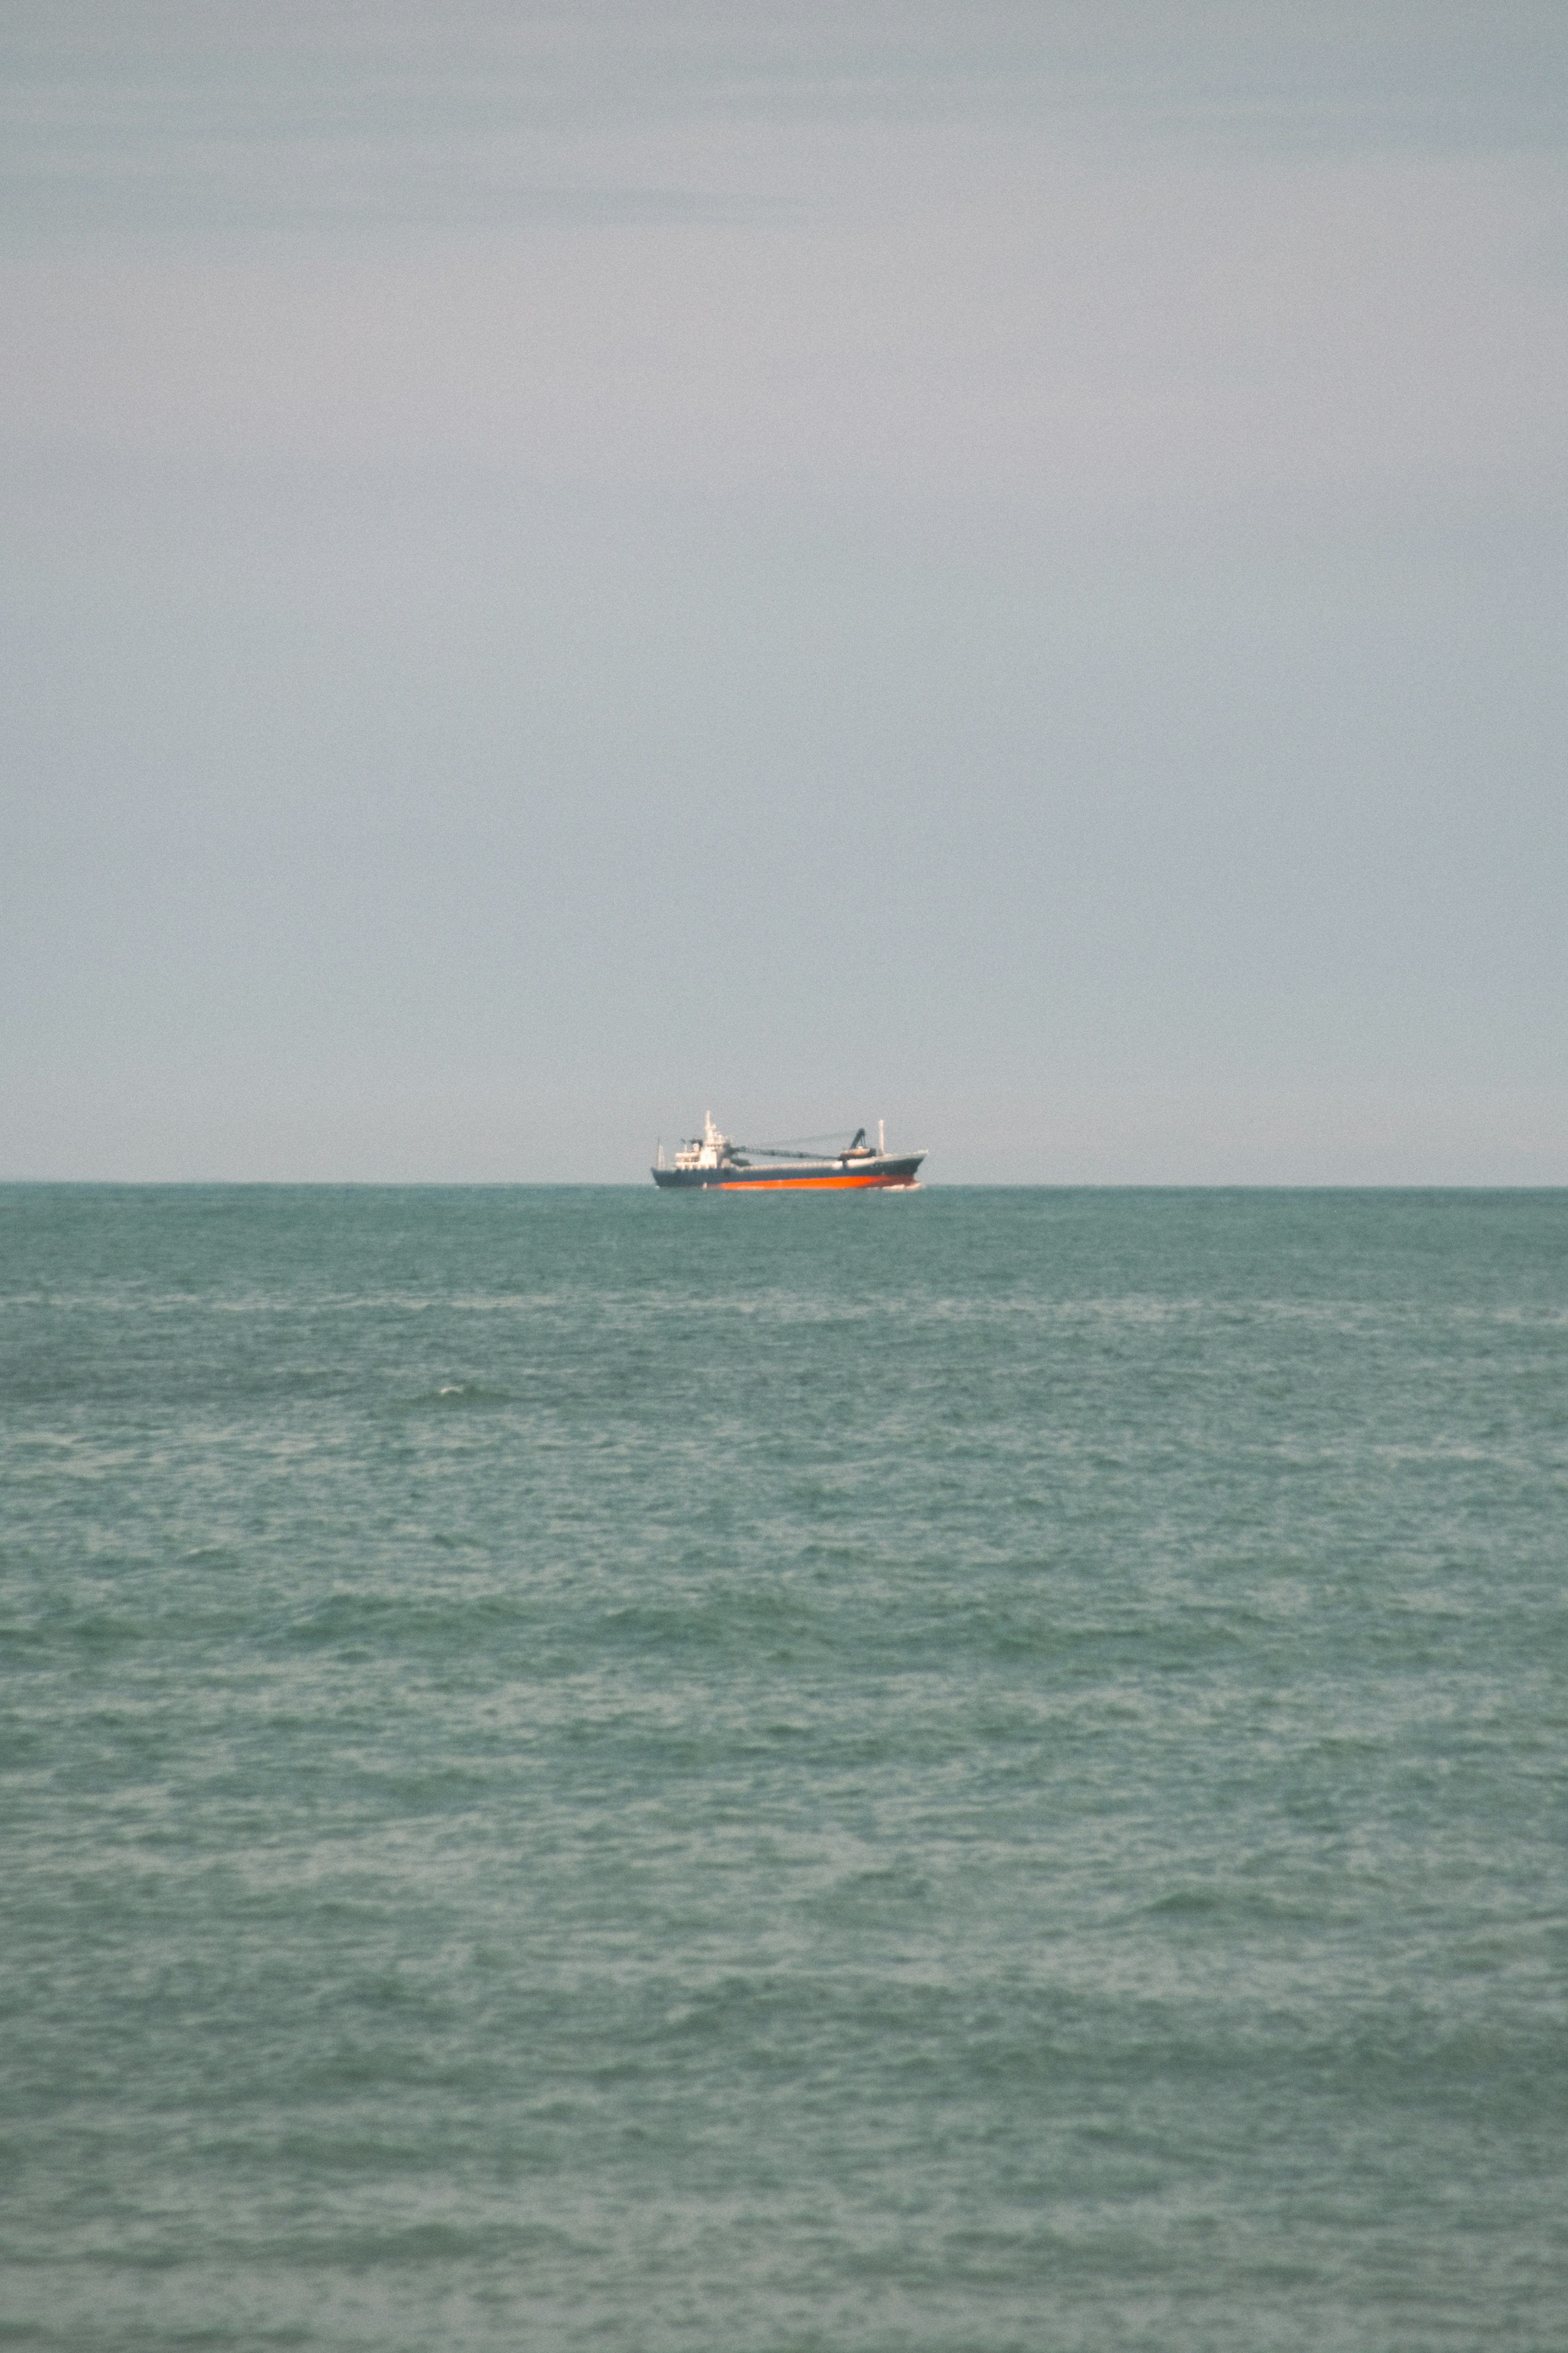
[881, 1145]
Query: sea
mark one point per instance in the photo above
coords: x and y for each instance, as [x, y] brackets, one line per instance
[972, 1769]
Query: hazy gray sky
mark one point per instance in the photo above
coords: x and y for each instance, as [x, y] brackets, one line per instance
[996, 565]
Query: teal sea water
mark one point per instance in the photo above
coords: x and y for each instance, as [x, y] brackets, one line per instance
[977, 1770]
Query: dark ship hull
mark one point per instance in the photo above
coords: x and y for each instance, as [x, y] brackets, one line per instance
[817, 1176]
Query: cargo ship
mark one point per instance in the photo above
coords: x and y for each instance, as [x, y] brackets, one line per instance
[715, 1162]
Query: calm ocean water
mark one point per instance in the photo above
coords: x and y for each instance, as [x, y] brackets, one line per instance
[977, 1770]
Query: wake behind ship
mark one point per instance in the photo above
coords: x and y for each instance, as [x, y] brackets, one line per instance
[714, 1162]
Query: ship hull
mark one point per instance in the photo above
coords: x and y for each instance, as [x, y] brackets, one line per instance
[880, 1174]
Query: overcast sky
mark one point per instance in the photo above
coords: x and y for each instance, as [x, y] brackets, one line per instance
[991, 564]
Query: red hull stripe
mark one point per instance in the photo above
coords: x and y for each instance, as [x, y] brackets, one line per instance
[808, 1184]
